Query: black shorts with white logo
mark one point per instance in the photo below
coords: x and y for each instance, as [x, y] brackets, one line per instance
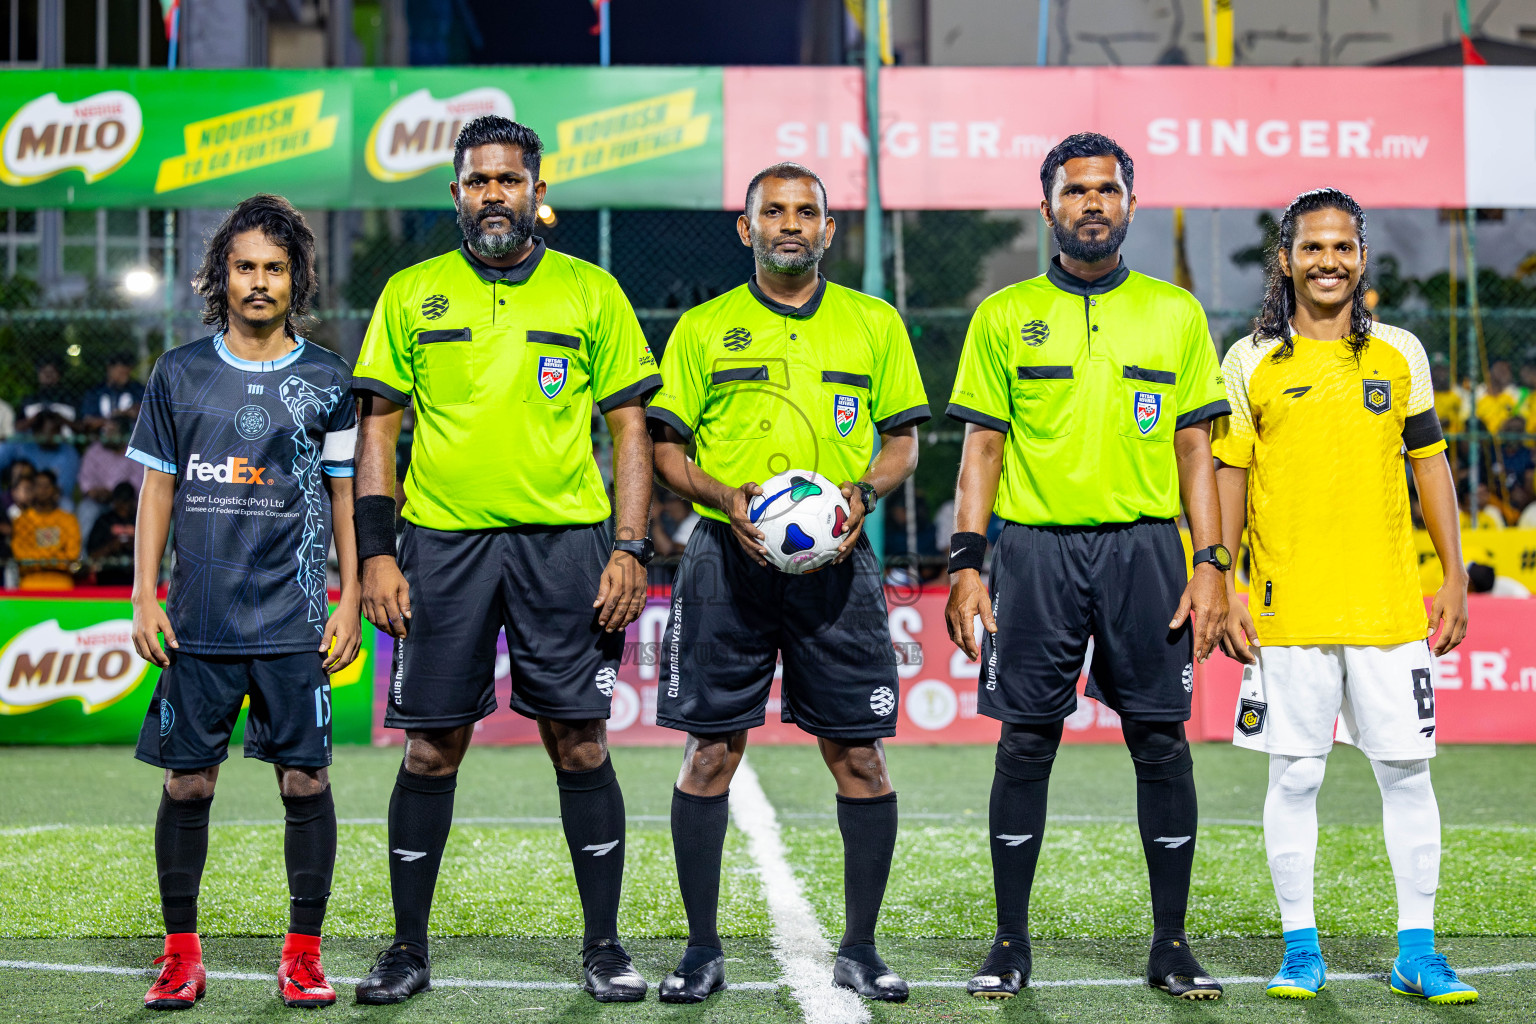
[197, 701]
[537, 583]
[731, 618]
[1054, 586]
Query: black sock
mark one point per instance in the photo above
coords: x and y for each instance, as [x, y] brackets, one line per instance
[309, 850]
[181, 850]
[1168, 814]
[420, 815]
[698, 842]
[868, 825]
[592, 812]
[1016, 820]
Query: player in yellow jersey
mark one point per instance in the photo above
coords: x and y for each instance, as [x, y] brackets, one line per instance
[1325, 401]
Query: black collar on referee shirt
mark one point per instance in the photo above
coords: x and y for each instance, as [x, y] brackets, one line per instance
[798, 312]
[517, 273]
[1069, 282]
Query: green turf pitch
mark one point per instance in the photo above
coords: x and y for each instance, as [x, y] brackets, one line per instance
[77, 887]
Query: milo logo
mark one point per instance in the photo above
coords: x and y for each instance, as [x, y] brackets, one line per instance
[416, 132]
[45, 663]
[47, 136]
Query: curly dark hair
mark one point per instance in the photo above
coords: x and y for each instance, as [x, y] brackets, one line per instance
[492, 130]
[276, 218]
[1084, 144]
[1274, 319]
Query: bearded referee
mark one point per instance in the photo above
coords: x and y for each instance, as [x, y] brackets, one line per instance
[784, 372]
[1088, 394]
[504, 347]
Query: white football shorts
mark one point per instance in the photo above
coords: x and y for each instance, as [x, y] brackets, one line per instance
[1381, 699]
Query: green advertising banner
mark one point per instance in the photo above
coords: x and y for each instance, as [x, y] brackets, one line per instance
[69, 675]
[351, 138]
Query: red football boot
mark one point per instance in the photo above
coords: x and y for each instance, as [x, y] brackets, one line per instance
[182, 980]
[300, 978]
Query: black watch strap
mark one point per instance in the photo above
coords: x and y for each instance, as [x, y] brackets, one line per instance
[1216, 554]
[642, 550]
[871, 496]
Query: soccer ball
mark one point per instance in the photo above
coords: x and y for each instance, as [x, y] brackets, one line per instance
[804, 517]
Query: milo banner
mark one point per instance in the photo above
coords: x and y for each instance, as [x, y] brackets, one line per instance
[350, 137]
[69, 674]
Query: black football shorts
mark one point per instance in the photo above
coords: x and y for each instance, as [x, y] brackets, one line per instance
[1053, 587]
[731, 618]
[198, 697]
[537, 583]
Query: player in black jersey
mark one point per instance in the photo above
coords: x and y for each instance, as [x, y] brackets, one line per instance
[246, 438]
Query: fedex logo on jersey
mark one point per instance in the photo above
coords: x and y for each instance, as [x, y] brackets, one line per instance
[230, 471]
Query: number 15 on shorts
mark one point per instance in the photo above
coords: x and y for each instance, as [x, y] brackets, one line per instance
[322, 706]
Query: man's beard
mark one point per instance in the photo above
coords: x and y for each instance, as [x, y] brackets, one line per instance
[1090, 252]
[800, 262]
[497, 246]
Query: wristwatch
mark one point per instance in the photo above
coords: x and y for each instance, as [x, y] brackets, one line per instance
[1216, 554]
[870, 497]
[642, 550]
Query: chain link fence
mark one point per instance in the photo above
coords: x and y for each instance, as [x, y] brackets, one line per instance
[668, 261]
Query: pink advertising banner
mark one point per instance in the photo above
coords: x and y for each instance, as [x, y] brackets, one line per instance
[1485, 690]
[973, 138]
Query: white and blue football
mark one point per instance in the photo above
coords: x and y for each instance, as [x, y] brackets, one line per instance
[804, 518]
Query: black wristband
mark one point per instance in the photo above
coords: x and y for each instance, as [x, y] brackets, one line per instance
[966, 551]
[375, 519]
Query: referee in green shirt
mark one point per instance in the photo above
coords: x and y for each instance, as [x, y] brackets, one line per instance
[503, 347]
[755, 380]
[1088, 394]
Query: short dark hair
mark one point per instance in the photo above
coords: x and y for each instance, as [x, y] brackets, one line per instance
[124, 492]
[122, 359]
[495, 130]
[786, 171]
[47, 474]
[1084, 144]
[276, 218]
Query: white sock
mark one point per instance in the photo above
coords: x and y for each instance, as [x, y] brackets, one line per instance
[1411, 821]
[1290, 834]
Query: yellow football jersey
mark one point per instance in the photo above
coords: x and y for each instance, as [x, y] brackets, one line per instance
[1322, 435]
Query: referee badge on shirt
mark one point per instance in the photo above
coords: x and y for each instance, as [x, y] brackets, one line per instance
[1250, 716]
[552, 375]
[1149, 409]
[1378, 396]
[845, 413]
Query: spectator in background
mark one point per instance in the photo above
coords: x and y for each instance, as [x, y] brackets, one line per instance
[45, 538]
[50, 396]
[675, 520]
[46, 448]
[1482, 579]
[1488, 516]
[1501, 399]
[111, 539]
[102, 468]
[118, 395]
[1515, 457]
[7, 420]
[1450, 405]
[1523, 498]
[18, 487]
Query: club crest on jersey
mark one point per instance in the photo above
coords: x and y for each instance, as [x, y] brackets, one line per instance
[552, 375]
[1250, 716]
[737, 338]
[1035, 333]
[845, 413]
[1378, 396]
[1148, 406]
[252, 421]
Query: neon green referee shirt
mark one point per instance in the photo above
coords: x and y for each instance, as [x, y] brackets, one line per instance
[760, 387]
[504, 367]
[1089, 380]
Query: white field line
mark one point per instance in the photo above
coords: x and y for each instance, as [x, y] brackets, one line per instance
[798, 944]
[736, 986]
